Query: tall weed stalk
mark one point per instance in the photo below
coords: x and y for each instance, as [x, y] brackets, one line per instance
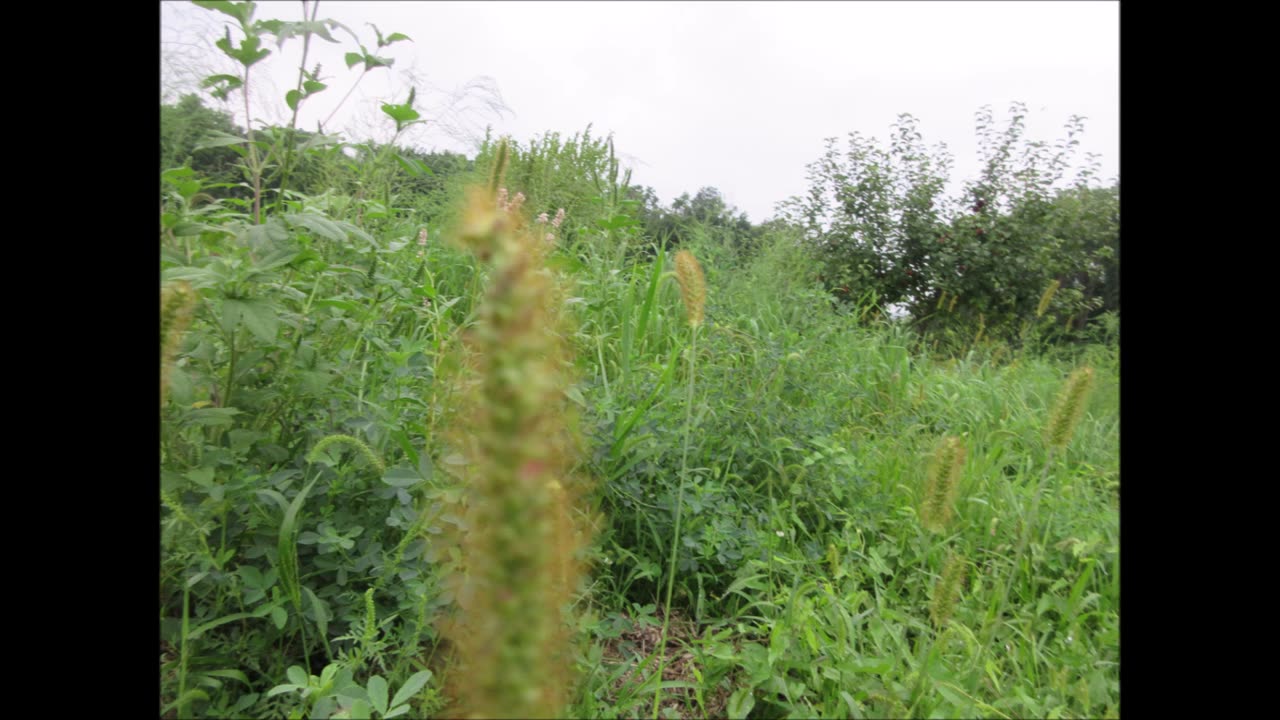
[693, 291]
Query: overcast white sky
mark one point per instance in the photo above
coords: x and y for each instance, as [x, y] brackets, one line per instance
[735, 95]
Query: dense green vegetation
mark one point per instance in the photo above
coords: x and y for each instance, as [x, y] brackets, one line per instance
[783, 499]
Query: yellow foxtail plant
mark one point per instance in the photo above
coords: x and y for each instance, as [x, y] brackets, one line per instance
[937, 508]
[520, 547]
[942, 484]
[1065, 415]
[946, 592]
[1047, 298]
[693, 292]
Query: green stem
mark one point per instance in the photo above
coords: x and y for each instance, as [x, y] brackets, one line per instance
[231, 371]
[287, 168]
[675, 540]
[182, 666]
[255, 167]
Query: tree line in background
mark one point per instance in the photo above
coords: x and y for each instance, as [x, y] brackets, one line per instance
[1017, 250]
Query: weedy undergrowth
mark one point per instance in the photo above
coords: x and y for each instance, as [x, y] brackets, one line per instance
[176, 304]
[1067, 411]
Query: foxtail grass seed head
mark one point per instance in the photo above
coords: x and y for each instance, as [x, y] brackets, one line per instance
[952, 306]
[947, 591]
[1069, 407]
[177, 303]
[693, 286]
[1047, 297]
[521, 547]
[354, 442]
[942, 484]
[370, 619]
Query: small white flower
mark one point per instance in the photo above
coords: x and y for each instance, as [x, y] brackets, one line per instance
[779, 533]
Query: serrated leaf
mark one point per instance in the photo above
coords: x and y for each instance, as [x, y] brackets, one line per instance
[353, 231]
[319, 225]
[378, 693]
[268, 233]
[275, 259]
[261, 319]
